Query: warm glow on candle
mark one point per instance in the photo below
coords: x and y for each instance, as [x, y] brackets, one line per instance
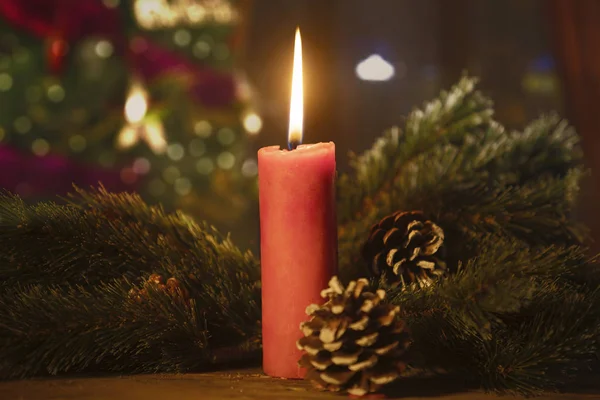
[296, 106]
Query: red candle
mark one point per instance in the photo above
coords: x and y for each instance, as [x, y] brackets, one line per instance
[298, 235]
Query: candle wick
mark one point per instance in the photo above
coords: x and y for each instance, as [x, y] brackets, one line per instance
[292, 144]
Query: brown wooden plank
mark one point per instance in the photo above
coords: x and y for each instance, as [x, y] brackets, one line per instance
[235, 385]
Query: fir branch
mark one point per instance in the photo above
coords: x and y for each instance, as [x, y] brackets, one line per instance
[548, 146]
[446, 119]
[536, 355]
[486, 180]
[501, 278]
[538, 212]
[66, 328]
[453, 187]
[559, 331]
[418, 186]
[61, 329]
[100, 236]
[505, 201]
[67, 271]
[507, 323]
[507, 317]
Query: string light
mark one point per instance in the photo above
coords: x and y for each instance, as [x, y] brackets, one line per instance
[175, 151]
[153, 14]
[201, 49]
[141, 126]
[136, 105]
[182, 37]
[40, 147]
[182, 186]
[56, 93]
[154, 134]
[244, 89]
[226, 136]
[170, 174]
[224, 14]
[249, 168]
[77, 143]
[203, 129]
[6, 82]
[226, 160]
[127, 137]
[141, 166]
[196, 13]
[104, 48]
[205, 166]
[22, 124]
[158, 14]
[252, 123]
[375, 68]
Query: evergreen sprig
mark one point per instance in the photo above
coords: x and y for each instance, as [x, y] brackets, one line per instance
[66, 272]
[520, 304]
[512, 318]
[443, 120]
[466, 172]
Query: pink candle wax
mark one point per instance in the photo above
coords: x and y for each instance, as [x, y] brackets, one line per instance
[298, 232]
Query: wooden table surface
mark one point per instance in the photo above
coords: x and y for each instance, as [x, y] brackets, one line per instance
[237, 385]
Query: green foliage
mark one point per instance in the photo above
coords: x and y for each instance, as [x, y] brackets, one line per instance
[444, 120]
[455, 163]
[521, 304]
[519, 311]
[66, 272]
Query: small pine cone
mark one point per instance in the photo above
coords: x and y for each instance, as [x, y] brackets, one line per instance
[354, 342]
[155, 279]
[135, 294]
[407, 249]
[175, 288]
[156, 283]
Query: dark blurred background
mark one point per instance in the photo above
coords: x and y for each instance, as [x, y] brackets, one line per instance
[173, 98]
[429, 43]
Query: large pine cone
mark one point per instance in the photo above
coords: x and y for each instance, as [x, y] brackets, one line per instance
[354, 342]
[406, 248]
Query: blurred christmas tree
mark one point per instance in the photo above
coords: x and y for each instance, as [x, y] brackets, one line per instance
[140, 95]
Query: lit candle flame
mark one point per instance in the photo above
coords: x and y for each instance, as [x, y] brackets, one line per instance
[296, 105]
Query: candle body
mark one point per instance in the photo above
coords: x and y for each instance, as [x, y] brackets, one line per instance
[298, 231]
